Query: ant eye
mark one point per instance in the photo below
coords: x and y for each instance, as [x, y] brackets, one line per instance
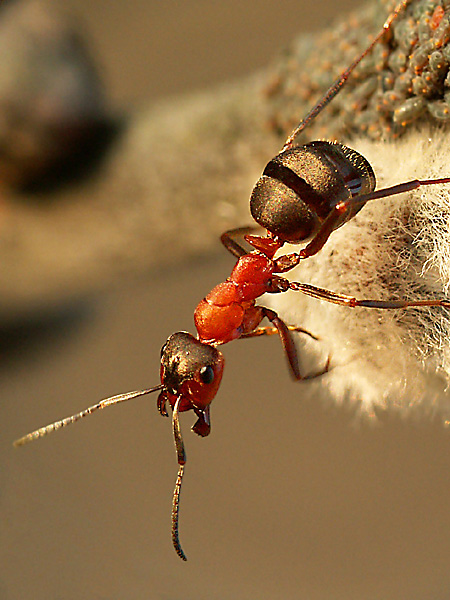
[207, 374]
[163, 349]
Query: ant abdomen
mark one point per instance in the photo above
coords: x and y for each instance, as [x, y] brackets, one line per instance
[301, 185]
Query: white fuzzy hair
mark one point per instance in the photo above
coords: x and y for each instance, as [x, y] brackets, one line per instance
[395, 248]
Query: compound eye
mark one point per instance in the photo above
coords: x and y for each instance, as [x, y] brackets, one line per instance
[163, 349]
[206, 374]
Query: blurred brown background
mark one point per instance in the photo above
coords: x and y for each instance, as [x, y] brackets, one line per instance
[287, 498]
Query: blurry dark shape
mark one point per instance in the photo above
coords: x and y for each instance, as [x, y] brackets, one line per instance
[24, 337]
[52, 109]
[181, 171]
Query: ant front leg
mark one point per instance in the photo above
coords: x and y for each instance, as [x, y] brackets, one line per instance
[284, 331]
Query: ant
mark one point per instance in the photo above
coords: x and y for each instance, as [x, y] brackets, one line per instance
[305, 193]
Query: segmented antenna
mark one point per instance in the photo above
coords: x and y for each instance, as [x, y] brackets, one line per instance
[175, 514]
[181, 455]
[340, 81]
[42, 431]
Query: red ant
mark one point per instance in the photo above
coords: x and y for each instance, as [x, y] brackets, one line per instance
[305, 193]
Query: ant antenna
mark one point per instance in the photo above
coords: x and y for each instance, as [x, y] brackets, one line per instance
[340, 81]
[179, 445]
[181, 455]
[42, 431]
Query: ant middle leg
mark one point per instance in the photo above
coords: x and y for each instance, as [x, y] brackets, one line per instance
[267, 330]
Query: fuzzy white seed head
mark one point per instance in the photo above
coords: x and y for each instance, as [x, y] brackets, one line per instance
[395, 248]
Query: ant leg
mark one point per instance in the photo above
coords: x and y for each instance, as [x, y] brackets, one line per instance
[340, 81]
[230, 243]
[352, 302]
[284, 331]
[259, 331]
[341, 210]
[340, 214]
[266, 245]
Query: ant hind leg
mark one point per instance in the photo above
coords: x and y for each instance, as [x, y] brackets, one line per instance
[231, 244]
[352, 302]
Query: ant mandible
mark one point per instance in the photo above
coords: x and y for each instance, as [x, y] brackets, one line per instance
[305, 193]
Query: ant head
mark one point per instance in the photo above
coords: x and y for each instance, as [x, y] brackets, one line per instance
[190, 370]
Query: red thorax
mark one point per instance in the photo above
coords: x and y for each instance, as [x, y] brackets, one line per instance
[229, 309]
